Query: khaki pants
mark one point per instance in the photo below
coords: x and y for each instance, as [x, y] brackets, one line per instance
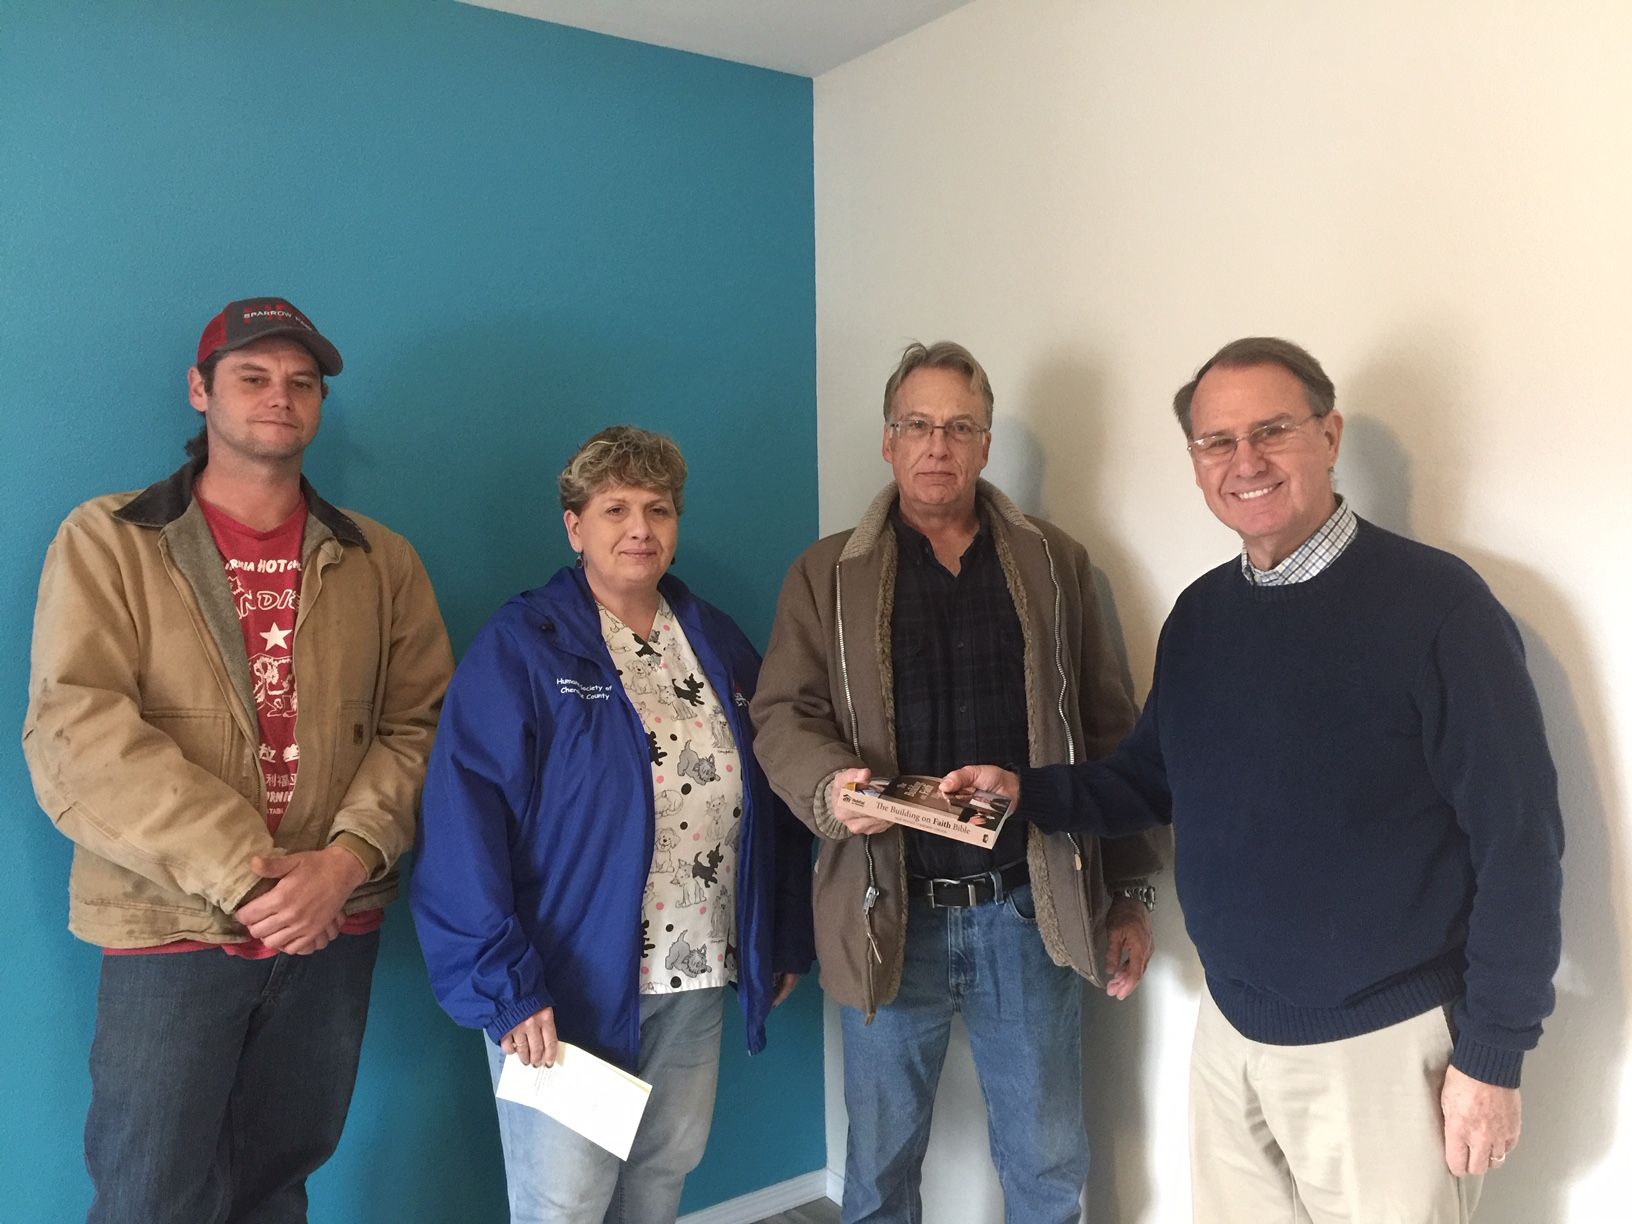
[1344, 1132]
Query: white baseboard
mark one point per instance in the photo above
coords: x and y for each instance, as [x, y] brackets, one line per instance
[750, 1208]
[835, 1185]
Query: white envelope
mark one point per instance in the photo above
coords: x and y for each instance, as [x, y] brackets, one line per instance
[603, 1103]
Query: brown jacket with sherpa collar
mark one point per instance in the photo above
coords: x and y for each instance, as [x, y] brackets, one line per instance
[141, 731]
[825, 703]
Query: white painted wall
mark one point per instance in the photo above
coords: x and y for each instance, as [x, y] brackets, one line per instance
[1436, 198]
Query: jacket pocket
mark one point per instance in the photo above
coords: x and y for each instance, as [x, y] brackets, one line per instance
[353, 737]
[204, 736]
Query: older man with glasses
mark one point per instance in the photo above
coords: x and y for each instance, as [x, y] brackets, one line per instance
[949, 626]
[1344, 736]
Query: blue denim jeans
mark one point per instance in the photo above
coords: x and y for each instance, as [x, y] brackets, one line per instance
[1024, 1016]
[556, 1176]
[218, 1085]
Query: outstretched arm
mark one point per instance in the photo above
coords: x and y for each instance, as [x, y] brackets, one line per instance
[1123, 795]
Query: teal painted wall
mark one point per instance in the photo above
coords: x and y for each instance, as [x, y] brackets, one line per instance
[516, 233]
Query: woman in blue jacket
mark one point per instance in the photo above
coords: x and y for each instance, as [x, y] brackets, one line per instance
[599, 853]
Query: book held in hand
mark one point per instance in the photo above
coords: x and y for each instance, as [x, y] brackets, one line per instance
[915, 800]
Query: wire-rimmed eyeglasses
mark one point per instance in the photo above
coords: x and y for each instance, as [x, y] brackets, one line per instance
[962, 431]
[1266, 439]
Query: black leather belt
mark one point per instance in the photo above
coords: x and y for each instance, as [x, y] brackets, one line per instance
[970, 890]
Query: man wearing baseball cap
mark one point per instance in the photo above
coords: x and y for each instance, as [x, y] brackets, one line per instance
[231, 859]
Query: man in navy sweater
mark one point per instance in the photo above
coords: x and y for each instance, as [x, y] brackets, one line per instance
[1342, 731]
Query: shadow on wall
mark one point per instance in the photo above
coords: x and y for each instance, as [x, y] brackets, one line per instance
[1117, 1047]
[1066, 397]
[1569, 1080]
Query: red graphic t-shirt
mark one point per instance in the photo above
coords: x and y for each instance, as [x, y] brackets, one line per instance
[263, 573]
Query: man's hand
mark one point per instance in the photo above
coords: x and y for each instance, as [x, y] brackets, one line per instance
[533, 1040]
[854, 821]
[983, 777]
[1481, 1123]
[301, 912]
[783, 984]
[1128, 949]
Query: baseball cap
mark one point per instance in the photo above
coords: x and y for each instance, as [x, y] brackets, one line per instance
[251, 319]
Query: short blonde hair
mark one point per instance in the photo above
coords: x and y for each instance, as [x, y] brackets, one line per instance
[623, 455]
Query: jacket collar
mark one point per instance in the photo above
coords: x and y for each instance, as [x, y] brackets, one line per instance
[566, 606]
[875, 522]
[161, 504]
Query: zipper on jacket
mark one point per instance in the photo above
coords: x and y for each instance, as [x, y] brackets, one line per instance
[844, 658]
[870, 897]
[1079, 855]
[1059, 661]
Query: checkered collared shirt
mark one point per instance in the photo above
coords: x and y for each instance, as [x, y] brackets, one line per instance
[1310, 557]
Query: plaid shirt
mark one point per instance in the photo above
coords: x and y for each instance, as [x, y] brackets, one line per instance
[959, 662]
[1310, 557]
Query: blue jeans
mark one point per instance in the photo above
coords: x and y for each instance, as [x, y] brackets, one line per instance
[218, 1085]
[1024, 1016]
[556, 1176]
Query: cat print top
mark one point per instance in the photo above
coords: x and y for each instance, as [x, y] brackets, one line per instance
[688, 919]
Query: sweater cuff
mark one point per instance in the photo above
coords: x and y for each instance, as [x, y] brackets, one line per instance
[827, 824]
[792, 960]
[1040, 801]
[364, 852]
[1487, 1063]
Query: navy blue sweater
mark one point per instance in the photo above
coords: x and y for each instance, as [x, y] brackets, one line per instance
[1365, 811]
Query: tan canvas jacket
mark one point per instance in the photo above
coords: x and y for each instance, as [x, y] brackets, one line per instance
[141, 731]
[825, 703]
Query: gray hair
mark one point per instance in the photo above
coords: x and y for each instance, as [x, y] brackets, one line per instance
[942, 355]
[1318, 391]
[623, 455]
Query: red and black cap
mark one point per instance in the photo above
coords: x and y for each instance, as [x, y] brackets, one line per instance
[241, 323]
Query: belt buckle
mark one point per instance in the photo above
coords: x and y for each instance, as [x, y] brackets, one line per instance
[969, 884]
[937, 882]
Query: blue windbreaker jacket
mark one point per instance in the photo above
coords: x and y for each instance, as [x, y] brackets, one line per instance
[536, 835]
